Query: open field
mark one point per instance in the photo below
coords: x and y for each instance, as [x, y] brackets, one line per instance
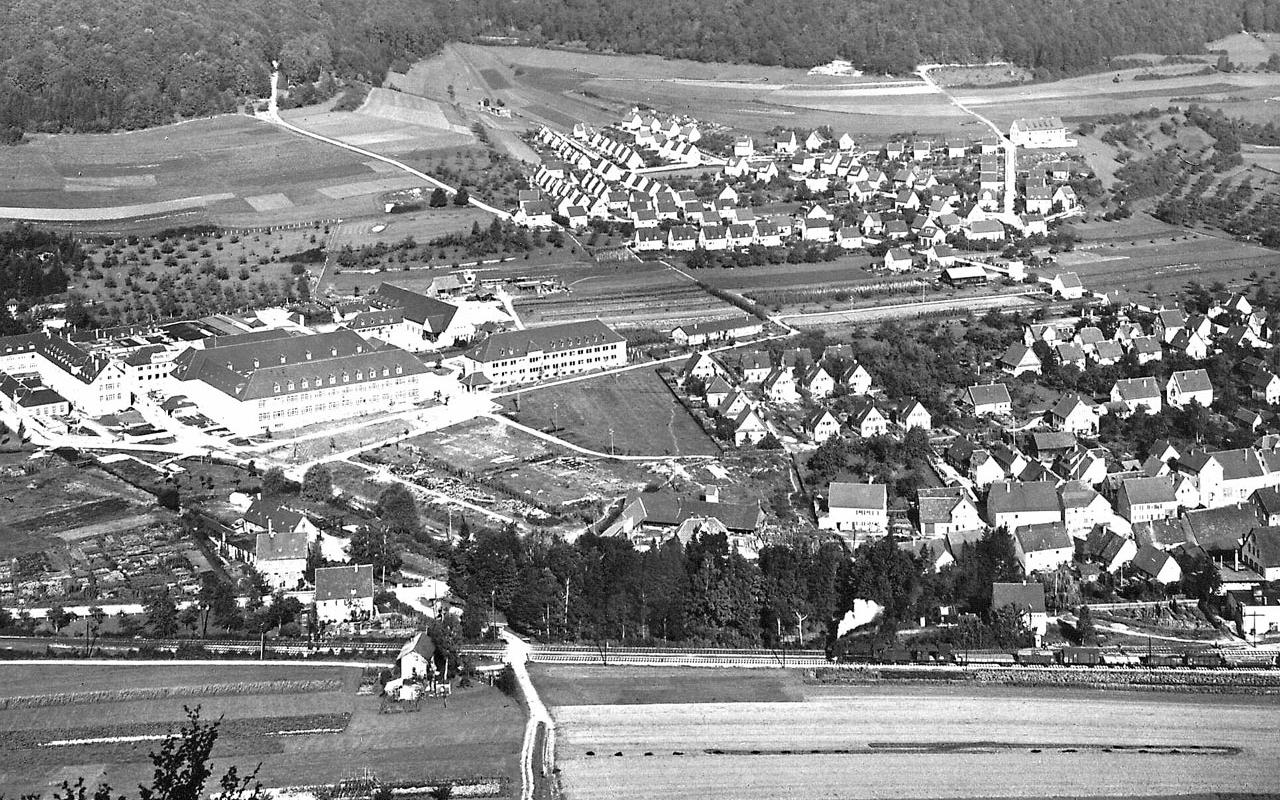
[390, 123]
[628, 295]
[477, 736]
[639, 409]
[260, 174]
[893, 742]
[563, 685]
[1247, 49]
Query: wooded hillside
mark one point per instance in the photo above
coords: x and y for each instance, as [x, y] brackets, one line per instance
[94, 65]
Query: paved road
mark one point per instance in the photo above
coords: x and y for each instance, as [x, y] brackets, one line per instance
[930, 742]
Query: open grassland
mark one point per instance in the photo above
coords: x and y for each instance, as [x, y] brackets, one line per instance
[560, 88]
[636, 406]
[389, 123]
[477, 736]
[1099, 94]
[1247, 49]
[920, 742]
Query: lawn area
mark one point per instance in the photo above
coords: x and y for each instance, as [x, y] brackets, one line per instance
[563, 685]
[477, 736]
[634, 409]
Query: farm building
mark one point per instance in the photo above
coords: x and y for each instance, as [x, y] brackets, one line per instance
[344, 593]
[534, 354]
[723, 330]
[970, 275]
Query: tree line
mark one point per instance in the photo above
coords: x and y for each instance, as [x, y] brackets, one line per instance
[704, 591]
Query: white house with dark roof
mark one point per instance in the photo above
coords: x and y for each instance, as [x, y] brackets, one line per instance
[1146, 499]
[856, 379]
[947, 510]
[1025, 598]
[1074, 415]
[281, 558]
[425, 322]
[533, 354]
[1067, 286]
[696, 334]
[1189, 386]
[1156, 564]
[861, 508]
[1043, 547]
[1133, 394]
[992, 398]
[344, 593]
[1011, 504]
[821, 425]
[1019, 358]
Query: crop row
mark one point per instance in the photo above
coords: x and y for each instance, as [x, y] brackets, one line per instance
[163, 692]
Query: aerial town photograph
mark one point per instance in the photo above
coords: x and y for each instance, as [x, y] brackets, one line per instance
[610, 400]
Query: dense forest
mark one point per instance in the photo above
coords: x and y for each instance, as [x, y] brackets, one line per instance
[94, 65]
[97, 65]
[34, 265]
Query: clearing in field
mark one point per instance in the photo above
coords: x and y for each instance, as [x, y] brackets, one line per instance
[920, 741]
[305, 724]
[531, 466]
[633, 412]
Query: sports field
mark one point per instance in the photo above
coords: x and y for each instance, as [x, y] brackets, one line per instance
[306, 725]
[636, 406]
[932, 742]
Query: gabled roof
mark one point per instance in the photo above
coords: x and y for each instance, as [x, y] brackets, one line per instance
[857, 495]
[667, 509]
[1149, 560]
[1135, 389]
[271, 516]
[282, 545]
[421, 644]
[1043, 536]
[1025, 597]
[1267, 542]
[1222, 528]
[1144, 491]
[1163, 533]
[938, 505]
[989, 394]
[1007, 497]
[1192, 380]
[352, 582]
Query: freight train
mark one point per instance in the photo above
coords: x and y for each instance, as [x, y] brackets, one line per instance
[1066, 657]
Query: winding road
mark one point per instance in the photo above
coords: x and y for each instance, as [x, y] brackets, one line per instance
[272, 115]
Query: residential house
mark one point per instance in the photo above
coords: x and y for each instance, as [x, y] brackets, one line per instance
[1190, 386]
[344, 593]
[1019, 358]
[1267, 500]
[1011, 505]
[1156, 564]
[818, 382]
[990, 398]
[697, 334]
[1146, 349]
[780, 386]
[1067, 286]
[1260, 550]
[1043, 546]
[947, 510]
[856, 379]
[717, 390]
[1265, 386]
[861, 508]
[1109, 549]
[701, 366]
[1145, 499]
[748, 427]
[1133, 394]
[897, 259]
[416, 660]
[1225, 477]
[910, 414]
[821, 425]
[733, 404]
[281, 558]
[1083, 508]
[867, 420]
[1027, 599]
[1074, 415]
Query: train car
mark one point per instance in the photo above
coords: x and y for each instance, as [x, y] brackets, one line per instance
[1157, 660]
[1080, 656]
[1036, 658]
[1120, 660]
[989, 659]
[1209, 659]
[897, 655]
